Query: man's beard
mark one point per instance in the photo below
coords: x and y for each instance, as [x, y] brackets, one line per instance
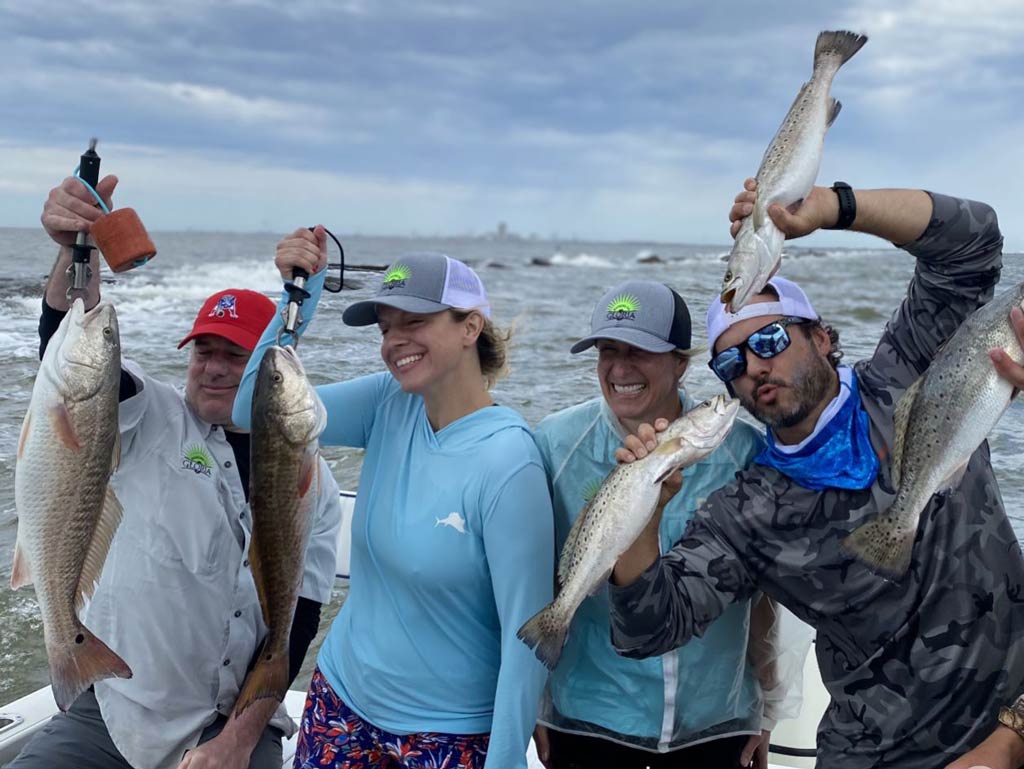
[810, 385]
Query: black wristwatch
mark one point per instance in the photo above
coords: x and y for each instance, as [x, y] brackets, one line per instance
[847, 206]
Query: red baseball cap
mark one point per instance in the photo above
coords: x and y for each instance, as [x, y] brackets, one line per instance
[237, 314]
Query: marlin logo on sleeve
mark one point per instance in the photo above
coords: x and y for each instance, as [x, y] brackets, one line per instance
[225, 306]
[454, 520]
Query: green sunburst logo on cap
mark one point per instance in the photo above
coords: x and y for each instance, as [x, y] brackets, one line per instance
[623, 307]
[396, 276]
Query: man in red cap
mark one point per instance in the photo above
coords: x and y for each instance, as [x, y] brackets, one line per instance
[226, 330]
[176, 599]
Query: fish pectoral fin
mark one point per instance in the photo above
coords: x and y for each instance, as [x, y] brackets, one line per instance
[307, 473]
[671, 460]
[768, 242]
[21, 571]
[900, 423]
[664, 476]
[26, 426]
[63, 427]
[834, 107]
[99, 546]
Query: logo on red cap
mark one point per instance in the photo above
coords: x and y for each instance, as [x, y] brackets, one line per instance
[226, 304]
[237, 314]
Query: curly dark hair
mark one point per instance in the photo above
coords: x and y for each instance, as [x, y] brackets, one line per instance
[835, 353]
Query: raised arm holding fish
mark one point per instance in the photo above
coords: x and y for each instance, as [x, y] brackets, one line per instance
[787, 171]
[916, 671]
[176, 599]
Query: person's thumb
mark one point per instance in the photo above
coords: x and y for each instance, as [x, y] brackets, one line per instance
[321, 240]
[105, 189]
[785, 221]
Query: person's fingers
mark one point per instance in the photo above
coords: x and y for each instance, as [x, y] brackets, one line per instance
[624, 455]
[648, 435]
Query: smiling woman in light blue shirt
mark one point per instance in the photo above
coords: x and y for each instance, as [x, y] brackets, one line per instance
[452, 536]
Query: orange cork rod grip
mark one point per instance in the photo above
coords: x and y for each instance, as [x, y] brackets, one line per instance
[122, 238]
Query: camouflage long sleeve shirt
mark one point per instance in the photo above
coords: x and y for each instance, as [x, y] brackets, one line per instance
[916, 669]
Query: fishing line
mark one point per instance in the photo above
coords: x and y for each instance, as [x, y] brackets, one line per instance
[93, 191]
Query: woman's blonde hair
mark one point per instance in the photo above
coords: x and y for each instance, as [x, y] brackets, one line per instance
[491, 347]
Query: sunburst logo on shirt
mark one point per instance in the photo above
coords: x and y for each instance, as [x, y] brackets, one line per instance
[197, 459]
[590, 490]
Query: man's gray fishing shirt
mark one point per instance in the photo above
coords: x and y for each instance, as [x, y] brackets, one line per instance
[916, 668]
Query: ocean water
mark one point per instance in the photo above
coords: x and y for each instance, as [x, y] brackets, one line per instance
[546, 289]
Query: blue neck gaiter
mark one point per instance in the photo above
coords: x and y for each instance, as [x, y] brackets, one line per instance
[839, 456]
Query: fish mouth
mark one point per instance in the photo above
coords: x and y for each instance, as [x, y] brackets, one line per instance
[735, 295]
[731, 291]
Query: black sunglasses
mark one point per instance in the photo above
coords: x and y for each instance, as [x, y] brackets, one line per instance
[767, 342]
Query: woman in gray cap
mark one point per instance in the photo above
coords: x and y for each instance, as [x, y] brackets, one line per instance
[700, 705]
[422, 662]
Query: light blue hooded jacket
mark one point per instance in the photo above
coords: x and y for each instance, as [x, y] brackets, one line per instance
[703, 690]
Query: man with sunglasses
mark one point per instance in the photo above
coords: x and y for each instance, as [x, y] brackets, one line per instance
[916, 667]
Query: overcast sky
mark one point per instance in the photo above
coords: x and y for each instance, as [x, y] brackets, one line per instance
[604, 120]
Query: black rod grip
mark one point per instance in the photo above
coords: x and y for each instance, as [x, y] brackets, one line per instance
[89, 166]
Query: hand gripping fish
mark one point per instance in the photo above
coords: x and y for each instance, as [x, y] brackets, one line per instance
[939, 422]
[284, 484]
[788, 170]
[617, 515]
[67, 512]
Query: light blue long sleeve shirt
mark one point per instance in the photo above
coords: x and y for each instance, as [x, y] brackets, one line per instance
[700, 691]
[452, 551]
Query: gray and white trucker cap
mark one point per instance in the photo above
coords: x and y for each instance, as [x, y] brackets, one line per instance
[642, 313]
[423, 282]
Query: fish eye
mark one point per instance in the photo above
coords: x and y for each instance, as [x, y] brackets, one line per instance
[107, 331]
[728, 275]
[277, 377]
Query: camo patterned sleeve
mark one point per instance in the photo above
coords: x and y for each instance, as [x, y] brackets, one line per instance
[682, 592]
[959, 257]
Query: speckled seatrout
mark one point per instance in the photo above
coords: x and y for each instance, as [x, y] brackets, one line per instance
[287, 419]
[617, 515]
[788, 170]
[939, 423]
[67, 512]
